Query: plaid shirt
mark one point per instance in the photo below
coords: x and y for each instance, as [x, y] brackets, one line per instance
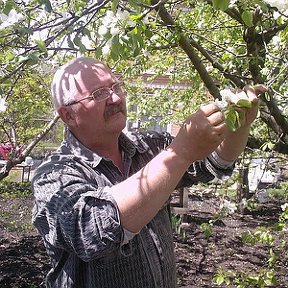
[79, 220]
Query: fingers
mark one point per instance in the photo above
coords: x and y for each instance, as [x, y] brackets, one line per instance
[213, 114]
[260, 89]
[255, 91]
[201, 133]
[209, 109]
[216, 119]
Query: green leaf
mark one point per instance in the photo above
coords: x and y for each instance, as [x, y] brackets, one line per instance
[245, 103]
[116, 49]
[148, 33]
[77, 41]
[42, 46]
[24, 31]
[10, 56]
[10, 4]
[33, 59]
[7, 83]
[30, 60]
[47, 5]
[232, 119]
[114, 5]
[70, 43]
[221, 4]
[247, 17]
[87, 32]
[219, 279]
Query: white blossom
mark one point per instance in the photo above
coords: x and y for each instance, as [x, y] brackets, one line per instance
[106, 48]
[114, 31]
[3, 106]
[276, 15]
[230, 97]
[276, 40]
[154, 37]
[232, 2]
[222, 104]
[109, 19]
[281, 5]
[284, 206]
[102, 30]
[112, 22]
[238, 96]
[146, 53]
[145, 20]
[244, 202]
[131, 23]
[230, 207]
[123, 15]
[10, 19]
[226, 94]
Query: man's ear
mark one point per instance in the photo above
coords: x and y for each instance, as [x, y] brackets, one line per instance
[67, 115]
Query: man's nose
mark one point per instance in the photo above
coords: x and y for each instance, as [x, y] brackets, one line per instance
[114, 98]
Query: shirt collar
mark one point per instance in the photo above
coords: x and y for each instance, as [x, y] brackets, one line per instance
[129, 144]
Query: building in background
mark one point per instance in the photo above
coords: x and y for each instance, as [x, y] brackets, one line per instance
[152, 83]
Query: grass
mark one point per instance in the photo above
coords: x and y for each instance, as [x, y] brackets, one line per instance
[15, 212]
[10, 189]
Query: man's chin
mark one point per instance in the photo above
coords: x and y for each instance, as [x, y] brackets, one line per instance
[118, 120]
[118, 115]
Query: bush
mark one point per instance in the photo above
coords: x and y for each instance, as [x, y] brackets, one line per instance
[10, 189]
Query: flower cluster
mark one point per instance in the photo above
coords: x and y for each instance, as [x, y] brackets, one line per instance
[281, 5]
[230, 104]
[229, 97]
[114, 23]
[284, 206]
[228, 207]
[10, 19]
[3, 106]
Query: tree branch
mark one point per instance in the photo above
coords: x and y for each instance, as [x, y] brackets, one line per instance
[4, 172]
[185, 44]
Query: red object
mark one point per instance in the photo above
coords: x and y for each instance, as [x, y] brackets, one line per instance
[5, 149]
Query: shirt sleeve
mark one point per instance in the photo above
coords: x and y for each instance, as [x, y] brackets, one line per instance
[205, 171]
[201, 171]
[217, 161]
[73, 213]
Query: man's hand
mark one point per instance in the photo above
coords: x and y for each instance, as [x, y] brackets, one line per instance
[200, 134]
[240, 106]
[235, 141]
[252, 95]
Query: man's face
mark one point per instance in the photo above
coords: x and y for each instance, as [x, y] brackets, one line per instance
[95, 119]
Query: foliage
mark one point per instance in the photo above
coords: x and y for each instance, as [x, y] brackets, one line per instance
[280, 191]
[206, 45]
[11, 189]
[30, 90]
[177, 225]
[247, 46]
[263, 235]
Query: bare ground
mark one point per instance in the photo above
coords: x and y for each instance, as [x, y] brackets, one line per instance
[23, 261]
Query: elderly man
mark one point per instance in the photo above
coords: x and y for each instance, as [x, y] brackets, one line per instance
[101, 200]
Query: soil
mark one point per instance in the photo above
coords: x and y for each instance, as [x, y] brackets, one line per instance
[24, 262]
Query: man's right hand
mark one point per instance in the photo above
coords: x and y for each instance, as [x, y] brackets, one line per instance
[200, 134]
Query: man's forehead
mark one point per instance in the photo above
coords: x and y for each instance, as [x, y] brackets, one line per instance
[83, 77]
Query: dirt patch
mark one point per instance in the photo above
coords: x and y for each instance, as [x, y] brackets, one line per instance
[24, 262]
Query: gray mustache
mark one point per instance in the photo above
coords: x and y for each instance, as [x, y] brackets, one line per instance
[112, 110]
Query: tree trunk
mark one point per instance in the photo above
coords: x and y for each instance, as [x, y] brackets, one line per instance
[5, 170]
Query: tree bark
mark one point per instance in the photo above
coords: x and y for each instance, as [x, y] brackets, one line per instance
[5, 170]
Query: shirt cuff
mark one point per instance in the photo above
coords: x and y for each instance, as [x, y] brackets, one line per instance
[217, 161]
[127, 236]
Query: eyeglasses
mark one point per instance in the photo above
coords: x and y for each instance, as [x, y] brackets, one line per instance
[103, 93]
